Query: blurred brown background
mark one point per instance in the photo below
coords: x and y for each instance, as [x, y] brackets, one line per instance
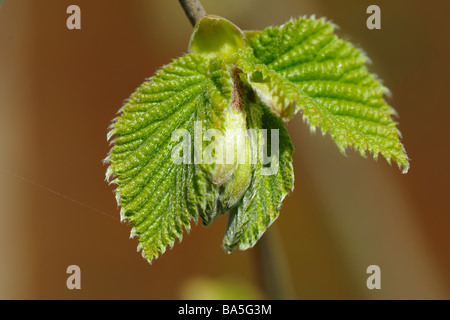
[60, 88]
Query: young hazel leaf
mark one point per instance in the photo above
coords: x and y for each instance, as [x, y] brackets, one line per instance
[261, 203]
[303, 65]
[158, 195]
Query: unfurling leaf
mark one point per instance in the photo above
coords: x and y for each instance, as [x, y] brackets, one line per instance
[262, 201]
[205, 135]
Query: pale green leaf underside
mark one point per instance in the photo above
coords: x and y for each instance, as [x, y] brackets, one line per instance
[304, 62]
[261, 203]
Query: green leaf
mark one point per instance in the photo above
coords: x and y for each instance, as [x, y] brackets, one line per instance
[157, 195]
[303, 65]
[173, 129]
[261, 203]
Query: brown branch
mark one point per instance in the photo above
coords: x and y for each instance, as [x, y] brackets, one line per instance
[193, 10]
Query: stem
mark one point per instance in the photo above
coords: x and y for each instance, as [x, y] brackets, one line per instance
[193, 10]
[274, 274]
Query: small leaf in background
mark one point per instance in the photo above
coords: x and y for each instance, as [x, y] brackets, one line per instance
[227, 288]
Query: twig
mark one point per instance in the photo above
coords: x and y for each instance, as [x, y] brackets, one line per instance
[274, 272]
[193, 10]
